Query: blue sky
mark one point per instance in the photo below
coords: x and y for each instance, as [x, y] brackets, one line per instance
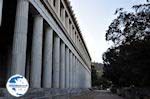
[94, 17]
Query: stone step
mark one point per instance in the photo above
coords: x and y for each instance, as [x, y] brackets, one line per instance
[42, 93]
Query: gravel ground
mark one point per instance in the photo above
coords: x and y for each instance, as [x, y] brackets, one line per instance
[92, 95]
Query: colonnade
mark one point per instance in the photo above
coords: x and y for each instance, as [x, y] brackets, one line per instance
[53, 63]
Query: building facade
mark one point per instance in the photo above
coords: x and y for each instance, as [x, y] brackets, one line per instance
[41, 40]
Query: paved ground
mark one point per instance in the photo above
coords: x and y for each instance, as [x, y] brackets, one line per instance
[93, 95]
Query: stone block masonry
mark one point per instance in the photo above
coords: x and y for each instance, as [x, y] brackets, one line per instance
[45, 44]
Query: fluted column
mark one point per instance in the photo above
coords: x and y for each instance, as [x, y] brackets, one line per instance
[1, 7]
[70, 27]
[74, 35]
[74, 70]
[70, 70]
[67, 23]
[58, 8]
[77, 41]
[62, 66]
[36, 53]
[81, 75]
[56, 62]
[78, 74]
[67, 68]
[88, 80]
[47, 62]
[64, 15]
[20, 38]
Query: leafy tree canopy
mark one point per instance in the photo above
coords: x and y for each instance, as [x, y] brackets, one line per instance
[130, 27]
[128, 61]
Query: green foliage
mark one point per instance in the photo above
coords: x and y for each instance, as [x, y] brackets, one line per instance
[94, 77]
[130, 27]
[128, 61]
[100, 82]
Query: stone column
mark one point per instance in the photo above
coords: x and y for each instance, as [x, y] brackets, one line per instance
[80, 80]
[77, 42]
[62, 66]
[70, 70]
[36, 53]
[56, 62]
[74, 70]
[47, 62]
[67, 23]
[67, 68]
[70, 27]
[87, 79]
[58, 8]
[77, 74]
[74, 35]
[64, 16]
[1, 7]
[20, 38]
[74, 81]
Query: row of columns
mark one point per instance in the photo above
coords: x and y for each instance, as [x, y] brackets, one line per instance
[66, 21]
[60, 65]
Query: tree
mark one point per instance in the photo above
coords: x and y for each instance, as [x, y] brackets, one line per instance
[94, 77]
[128, 61]
[99, 81]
